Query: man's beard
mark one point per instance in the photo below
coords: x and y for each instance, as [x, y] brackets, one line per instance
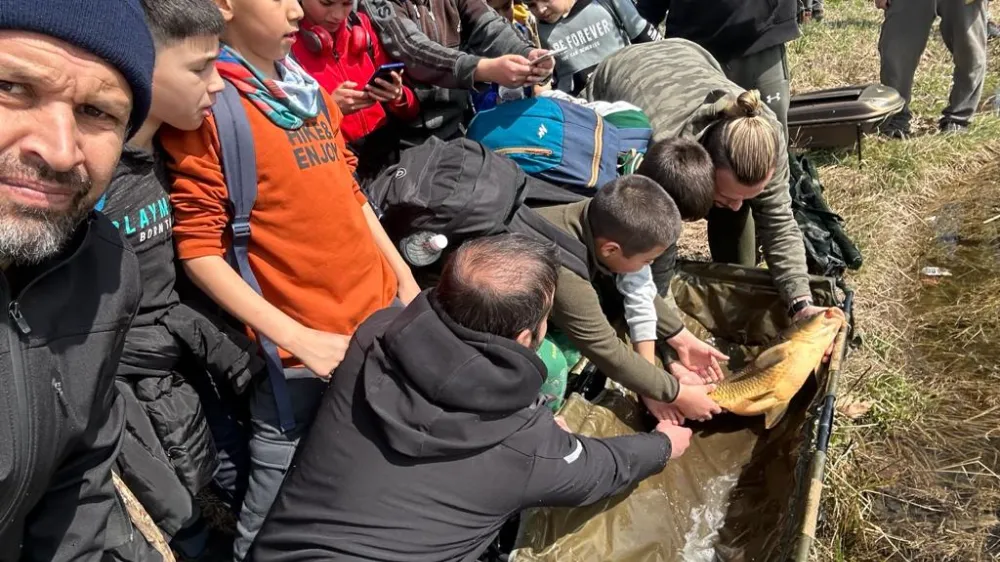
[29, 234]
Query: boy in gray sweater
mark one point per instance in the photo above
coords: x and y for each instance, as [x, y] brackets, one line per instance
[585, 32]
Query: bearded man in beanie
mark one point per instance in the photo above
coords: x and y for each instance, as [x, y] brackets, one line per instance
[75, 82]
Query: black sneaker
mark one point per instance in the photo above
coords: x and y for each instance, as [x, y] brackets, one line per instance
[893, 131]
[992, 31]
[896, 127]
[948, 126]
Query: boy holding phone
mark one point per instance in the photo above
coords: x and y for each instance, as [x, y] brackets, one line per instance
[338, 47]
[388, 72]
[567, 26]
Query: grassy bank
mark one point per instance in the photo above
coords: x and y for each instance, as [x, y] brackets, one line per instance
[914, 461]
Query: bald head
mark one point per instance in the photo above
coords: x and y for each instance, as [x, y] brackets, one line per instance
[501, 285]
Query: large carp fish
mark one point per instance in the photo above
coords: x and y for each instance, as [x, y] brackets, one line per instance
[767, 385]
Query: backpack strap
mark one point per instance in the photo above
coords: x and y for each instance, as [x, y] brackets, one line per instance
[239, 166]
[572, 252]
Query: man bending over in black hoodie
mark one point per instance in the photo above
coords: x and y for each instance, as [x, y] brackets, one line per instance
[432, 432]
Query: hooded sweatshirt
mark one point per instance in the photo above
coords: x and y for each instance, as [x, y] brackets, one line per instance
[683, 91]
[429, 437]
[348, 63]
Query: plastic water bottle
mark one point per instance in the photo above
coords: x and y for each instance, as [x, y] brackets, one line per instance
[422, 247]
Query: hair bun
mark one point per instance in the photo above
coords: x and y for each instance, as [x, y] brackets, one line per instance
[749, 103]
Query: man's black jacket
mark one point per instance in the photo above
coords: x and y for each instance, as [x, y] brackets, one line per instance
[429, 437]
[61, 336]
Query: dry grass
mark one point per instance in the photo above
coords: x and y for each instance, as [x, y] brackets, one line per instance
[916, 477]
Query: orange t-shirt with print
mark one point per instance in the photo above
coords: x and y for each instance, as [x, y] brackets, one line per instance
[310, 247]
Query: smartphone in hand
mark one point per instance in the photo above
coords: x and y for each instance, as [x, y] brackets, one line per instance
[385, 72]
[547, 56]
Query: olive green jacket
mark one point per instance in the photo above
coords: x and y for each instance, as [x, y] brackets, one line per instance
[683, 91]
[577, 312]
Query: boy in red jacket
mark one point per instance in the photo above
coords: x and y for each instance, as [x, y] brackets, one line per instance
[340, 49]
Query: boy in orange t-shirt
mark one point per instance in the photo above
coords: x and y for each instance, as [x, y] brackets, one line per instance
[317, 250]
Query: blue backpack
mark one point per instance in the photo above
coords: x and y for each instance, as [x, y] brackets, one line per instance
[561, 142]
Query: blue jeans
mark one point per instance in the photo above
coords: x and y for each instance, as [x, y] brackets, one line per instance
[271, 450]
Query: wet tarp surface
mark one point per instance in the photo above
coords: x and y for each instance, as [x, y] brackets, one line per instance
[738, 493]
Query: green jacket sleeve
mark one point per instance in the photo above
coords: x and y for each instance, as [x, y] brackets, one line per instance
[577, 313]
[780, 236]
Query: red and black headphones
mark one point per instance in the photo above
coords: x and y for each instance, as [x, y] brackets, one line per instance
[319, 41]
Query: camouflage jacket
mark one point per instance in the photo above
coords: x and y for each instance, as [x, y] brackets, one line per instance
[682, 90]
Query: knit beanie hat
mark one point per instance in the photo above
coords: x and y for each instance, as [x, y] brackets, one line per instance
[114, 30]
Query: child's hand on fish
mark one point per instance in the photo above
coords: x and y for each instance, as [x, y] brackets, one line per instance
[694, 402]
[683, 374]
[698, 356]
[680, 437]
[664, 412]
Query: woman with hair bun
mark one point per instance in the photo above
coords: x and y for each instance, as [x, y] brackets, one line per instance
[685, 93]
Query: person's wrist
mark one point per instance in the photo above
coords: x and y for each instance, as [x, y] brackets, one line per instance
[668, 449]
[484, 69]
[798, 305]
[290, 337]
[678, 337]
[679, 397]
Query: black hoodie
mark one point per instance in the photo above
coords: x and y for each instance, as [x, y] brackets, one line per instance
[429, 437]
[728, 29]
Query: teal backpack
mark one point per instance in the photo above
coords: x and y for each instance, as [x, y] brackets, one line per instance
[562, 142]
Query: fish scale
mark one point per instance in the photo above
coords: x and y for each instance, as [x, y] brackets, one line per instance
[771, 380]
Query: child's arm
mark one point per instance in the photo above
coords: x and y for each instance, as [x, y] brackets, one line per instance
[320, 351]
[577, 313]
[638, 291]
[408, 288]
[199, 198]
[646, 349]
[430, 62]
